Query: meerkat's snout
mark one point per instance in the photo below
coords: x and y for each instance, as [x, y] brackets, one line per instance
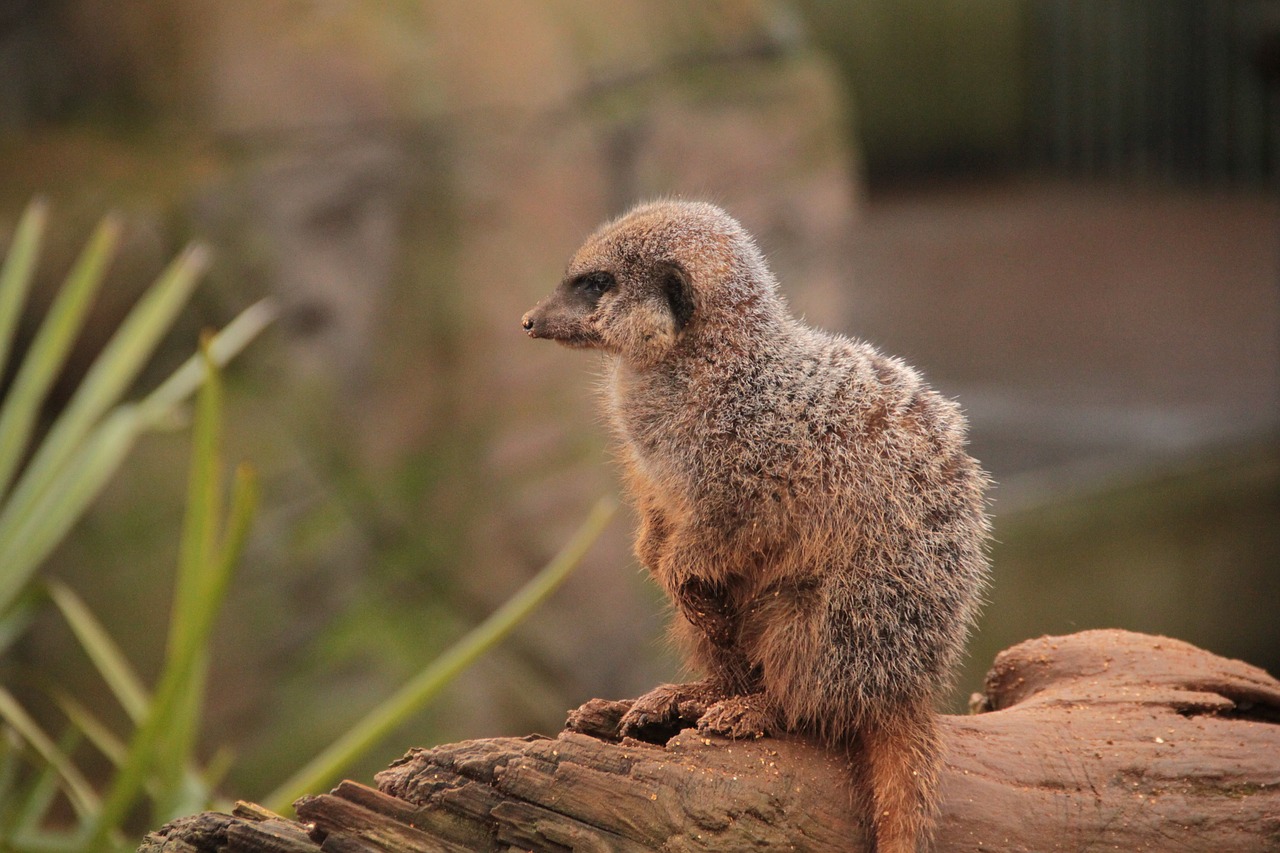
[537, 321]
[562, 317]
[540, 322]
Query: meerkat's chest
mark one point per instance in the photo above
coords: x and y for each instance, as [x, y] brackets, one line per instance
[703, 441]
[657, 428]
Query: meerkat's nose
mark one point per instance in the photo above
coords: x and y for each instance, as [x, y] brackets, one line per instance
[526, 322]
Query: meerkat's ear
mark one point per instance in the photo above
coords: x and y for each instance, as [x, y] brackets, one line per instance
[679, 294]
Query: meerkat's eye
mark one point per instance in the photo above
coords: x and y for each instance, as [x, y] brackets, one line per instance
[597, 283]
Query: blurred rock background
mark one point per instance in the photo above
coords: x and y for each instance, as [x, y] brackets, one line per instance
[1063, 212]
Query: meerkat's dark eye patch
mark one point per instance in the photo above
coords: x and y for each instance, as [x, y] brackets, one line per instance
[595, 283]
[679, 293]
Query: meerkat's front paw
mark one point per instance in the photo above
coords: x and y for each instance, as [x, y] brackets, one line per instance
[600, 718]
[740, 717]
[666, 709]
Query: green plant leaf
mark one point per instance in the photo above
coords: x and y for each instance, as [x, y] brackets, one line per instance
[15, 621]
[328, 766]
[40, 794]
[102, 650]
[213, 576]
[194, 586]
[196, 788]
[27, 538]
[244, 506]
[215, 770]
[94, 730]
[41, 500]
[112, 372]
[16, 275]
[79, 792]
[163, 743]
[33, 520]
[175, 792]
[225, 345]
[199, 526]
[10, 748]
[43, 361]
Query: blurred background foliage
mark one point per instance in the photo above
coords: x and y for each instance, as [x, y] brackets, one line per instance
[47, 481]
[1063, 212]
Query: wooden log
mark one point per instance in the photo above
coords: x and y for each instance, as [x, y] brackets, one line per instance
[1103, 740]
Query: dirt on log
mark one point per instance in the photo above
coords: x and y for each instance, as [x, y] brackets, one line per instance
[1102, 740]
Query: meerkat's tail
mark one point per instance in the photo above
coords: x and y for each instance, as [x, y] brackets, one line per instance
[901, 758]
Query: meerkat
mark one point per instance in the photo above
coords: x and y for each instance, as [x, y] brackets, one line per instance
[806, 502]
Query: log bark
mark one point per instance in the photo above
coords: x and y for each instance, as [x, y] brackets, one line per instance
[1103, 740]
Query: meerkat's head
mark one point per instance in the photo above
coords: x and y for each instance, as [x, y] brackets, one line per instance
[653, 277]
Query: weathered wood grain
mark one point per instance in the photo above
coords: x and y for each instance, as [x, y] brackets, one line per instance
[1099, 740]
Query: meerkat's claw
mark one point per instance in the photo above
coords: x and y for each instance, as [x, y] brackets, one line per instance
[665, 710]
